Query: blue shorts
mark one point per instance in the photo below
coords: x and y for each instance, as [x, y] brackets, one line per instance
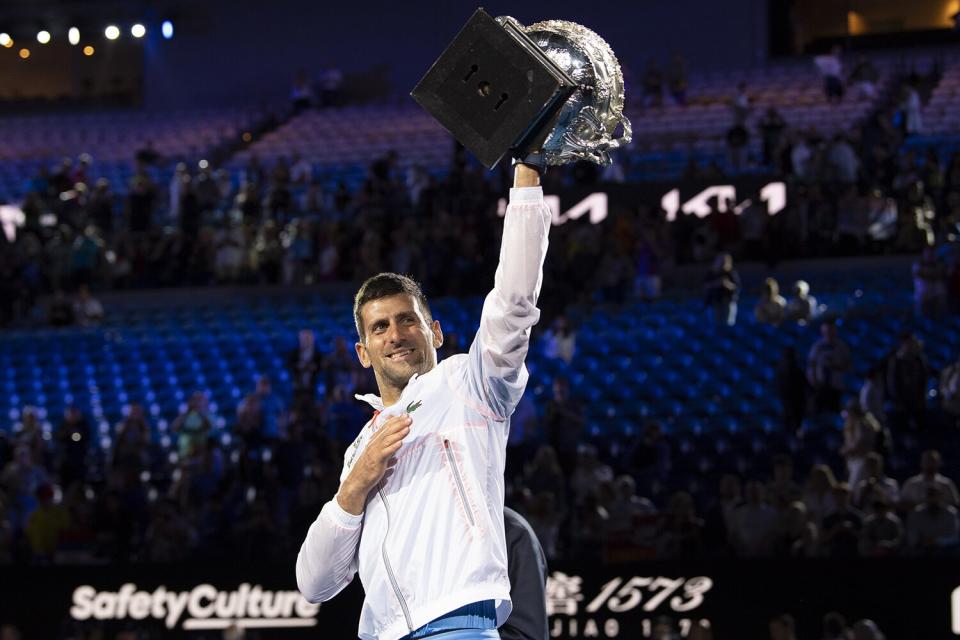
[467, 634]
[475, 621]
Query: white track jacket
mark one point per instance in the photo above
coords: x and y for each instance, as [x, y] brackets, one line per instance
[431, 537]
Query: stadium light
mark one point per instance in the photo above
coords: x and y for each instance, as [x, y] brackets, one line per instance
[167, 29]
[6, 40]
[73, 35]
[43, 37]
[138, 30]
[112, 32]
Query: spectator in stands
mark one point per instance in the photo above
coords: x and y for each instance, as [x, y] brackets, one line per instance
[560, 340]
[933, 526]
[802, 307]
[738, 140]
[331, 80]
[754, 526]
[652, 85]
[819, 493]
[20, 479]
[873, 391]
[632, 518]
[30, 433]
[827, 364]
[794, 535]
[588, 474]
[782, 490]
[930, 284]
[841, 529]
[648, 458]
[677, 79]
[648, 255]
[863, 79]
[305, 363]
[100, 208]
[860, 433]
[301, 171]
[721, 288]
[882, 532]
[831, 68]
[249, 425]
[721, 517]
[132, 440]
[950, 391]
[45, 526]
[771, 307]
[681, 530]
[563, 423]
[340, 367]
[544, 475]
[85, 255]
[179, 183]
[911, 110]
[267, 253]
[60, 310]
[875, 482]
[843, 160]
[301, 92]
[140, 204]
[73, 445]
[772, 126]
[230, 245]
[800, 157]
[907, 376]
[192, 426]
[87, 310]
[783, 627]
[915, 488]
[147, 154]
[791, 390]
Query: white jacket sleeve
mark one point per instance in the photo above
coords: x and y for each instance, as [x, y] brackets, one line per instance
[497, 374]
[327, 560]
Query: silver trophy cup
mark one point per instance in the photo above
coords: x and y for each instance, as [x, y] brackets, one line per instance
[587, 123]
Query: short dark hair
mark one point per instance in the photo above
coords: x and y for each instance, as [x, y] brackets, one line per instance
[384, 285]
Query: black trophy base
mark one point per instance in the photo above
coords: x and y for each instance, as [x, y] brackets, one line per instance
[493, 89]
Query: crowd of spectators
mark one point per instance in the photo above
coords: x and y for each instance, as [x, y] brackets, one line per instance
[136, 491]
[854, 192]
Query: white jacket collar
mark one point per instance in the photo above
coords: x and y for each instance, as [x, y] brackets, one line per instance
[376, 401]
[372, 399]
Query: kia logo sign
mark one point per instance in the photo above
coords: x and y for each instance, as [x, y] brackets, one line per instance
[774, 194]
[596, 205]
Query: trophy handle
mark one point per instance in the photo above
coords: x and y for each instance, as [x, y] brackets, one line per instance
[597, 150]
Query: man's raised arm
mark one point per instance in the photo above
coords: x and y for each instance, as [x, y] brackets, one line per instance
[497, 371]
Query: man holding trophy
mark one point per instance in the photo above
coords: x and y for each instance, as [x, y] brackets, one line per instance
[419, 511]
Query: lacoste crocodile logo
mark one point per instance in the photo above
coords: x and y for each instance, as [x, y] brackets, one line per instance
[413, 406]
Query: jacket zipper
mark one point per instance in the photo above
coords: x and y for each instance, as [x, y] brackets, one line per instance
[459, 481]
[386, 562]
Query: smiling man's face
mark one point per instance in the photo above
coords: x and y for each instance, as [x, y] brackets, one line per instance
[399, 340]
